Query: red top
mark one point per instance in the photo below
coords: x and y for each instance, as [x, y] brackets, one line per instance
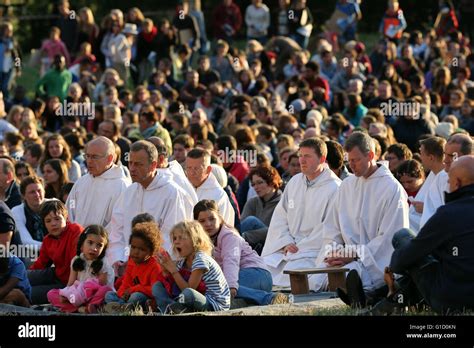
[141, 277]
[240, 169]
[59, 251]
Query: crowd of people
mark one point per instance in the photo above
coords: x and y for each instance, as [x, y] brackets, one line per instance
[162, 167]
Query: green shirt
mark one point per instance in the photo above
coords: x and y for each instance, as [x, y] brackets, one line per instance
[55, 83]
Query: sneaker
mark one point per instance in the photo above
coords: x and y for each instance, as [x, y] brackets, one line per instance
[115, 307]
[177, 308]
[280, 298]
[355, 291]
[343, 296]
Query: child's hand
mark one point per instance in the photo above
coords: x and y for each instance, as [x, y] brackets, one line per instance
[126, 295]
[233, 292]
[63, 299]
[167, 263]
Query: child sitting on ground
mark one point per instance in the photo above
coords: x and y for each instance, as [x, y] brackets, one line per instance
[91, 276]
[193, 246]
[142, 269]
[15, 288]
[58, 248]
[243, 268]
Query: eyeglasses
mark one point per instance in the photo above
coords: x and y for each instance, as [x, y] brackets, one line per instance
[195, 169]
[93, 157]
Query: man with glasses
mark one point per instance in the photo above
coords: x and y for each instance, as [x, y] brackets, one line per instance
[93, 196]
[198, 171]
[458, 145]
[294, 236]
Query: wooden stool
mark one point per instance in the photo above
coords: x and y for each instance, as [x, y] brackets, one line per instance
[299, 278]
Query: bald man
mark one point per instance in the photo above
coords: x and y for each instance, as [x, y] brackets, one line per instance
[440, 259]
[93, 196]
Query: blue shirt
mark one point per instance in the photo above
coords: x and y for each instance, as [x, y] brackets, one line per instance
[16, 269]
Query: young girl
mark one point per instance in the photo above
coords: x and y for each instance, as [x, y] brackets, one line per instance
[142, 269]
[193, 246]
[244, 270]
[58, 248]
[90, 277]
[52, 47]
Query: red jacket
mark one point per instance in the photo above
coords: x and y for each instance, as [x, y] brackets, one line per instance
[240, 169]
[59, 251]
[141, 277]
[226, 15]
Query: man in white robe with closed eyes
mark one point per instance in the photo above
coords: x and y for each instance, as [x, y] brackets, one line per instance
[369, 207]
[294, 236]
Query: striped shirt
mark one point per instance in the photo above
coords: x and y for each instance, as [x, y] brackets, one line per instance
[217, 290]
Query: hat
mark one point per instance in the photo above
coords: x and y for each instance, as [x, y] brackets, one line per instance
[444, 129]
[298, 105]
[359, 47]
[130, 28]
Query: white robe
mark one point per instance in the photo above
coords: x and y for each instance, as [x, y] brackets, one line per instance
[179, 177]
[435, 197]
[211, 189]
[365, 215]
[414, 216]
[92, 199]
[163, 199]
[298, 219]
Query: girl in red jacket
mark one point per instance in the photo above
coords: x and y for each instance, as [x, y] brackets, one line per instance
[58, 249]
[142, 270]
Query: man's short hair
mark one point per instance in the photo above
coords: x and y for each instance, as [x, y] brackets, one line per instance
[317, 145]
[464, 141]
[200, 153]
[335, 157]
[8, 166]
[115, 127]
[148, 147]
[402, 151]
[184, 140]
[360, 140]
[434, 145]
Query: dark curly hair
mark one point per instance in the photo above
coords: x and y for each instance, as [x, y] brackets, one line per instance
[149, 233]
[79, 264]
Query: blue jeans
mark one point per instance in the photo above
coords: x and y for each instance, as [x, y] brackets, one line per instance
[301, 40]
[191, 298]
[135, 298]
[251, 223]
[255, 284]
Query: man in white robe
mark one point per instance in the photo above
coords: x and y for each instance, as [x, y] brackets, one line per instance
[174, 169]
[152, 192]
[432, 154]
[93, 196]
[368, 209]
[294, 236]
[199, 173]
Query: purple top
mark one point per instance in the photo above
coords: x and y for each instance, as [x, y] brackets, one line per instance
[232, 253]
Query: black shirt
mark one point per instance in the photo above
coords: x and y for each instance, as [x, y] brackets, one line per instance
[7, 223]
[13, 196]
